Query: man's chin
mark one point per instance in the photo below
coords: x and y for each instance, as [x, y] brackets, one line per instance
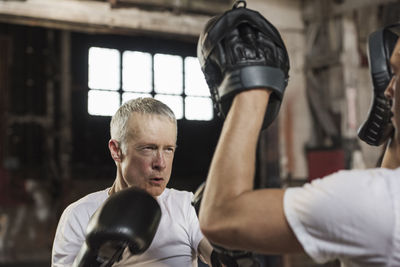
[155, 191]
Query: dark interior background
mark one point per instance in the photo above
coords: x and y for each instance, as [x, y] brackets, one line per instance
[52, 151]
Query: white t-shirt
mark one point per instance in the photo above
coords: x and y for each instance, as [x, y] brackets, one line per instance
[353, 216]
[175, 243]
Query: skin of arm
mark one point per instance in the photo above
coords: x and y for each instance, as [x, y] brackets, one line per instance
[234, 215]
[205, 249]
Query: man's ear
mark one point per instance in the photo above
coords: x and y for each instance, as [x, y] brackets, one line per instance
[115, 150]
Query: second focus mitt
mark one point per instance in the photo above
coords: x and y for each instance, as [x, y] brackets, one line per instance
[377, 128]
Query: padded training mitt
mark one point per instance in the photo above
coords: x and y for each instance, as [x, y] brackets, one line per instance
[240, 50]
[377, 128]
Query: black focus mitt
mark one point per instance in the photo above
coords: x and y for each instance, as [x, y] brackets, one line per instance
[377, 128]
[240, 50]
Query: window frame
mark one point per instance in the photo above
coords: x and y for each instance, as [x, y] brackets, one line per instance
[152, 46]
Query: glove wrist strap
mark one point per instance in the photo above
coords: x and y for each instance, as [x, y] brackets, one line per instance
[250, 77]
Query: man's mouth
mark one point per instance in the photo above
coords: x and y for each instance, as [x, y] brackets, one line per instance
[156, 180]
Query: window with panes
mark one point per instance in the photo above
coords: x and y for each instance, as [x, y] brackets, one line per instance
[116, 76]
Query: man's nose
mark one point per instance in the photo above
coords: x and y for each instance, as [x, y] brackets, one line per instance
[159, 160]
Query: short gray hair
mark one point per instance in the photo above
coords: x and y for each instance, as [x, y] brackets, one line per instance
[147, 105]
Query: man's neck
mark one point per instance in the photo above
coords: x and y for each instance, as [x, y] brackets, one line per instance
[117, 186]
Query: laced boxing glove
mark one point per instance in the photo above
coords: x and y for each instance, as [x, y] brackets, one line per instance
[129, 218]
[377, 128]
[240, 50]
[221, 256]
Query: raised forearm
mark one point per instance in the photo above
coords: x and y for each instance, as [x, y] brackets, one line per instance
[233, 165]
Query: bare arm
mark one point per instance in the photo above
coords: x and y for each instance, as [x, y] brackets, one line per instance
[233, 214]
[205, 249]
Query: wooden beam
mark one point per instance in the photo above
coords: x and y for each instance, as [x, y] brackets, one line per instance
[99, 17]
[208, 7]
[5, 68]
[66, 110]
[316, 10]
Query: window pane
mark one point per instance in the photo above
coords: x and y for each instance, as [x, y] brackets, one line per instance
[136, 72]
[104, 67]
[198, 108]
[129, 96]
[195, 83]
[102, 102]
[168, 74]
[173, 102]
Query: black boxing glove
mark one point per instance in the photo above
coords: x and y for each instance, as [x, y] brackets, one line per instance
[240, 50]
[377, 128]
[221, 255]
[129, 218]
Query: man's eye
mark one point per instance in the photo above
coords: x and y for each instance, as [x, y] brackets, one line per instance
[170, 149]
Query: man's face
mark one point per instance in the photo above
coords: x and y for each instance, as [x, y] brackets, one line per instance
[393, 90]
[150, 150]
